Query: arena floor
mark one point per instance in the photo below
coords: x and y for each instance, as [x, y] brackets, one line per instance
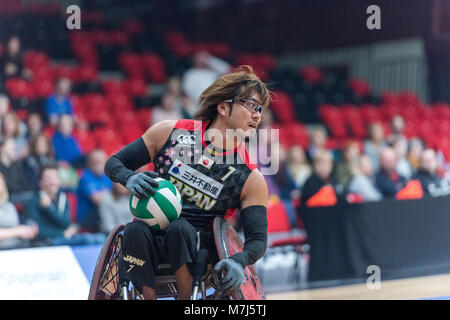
[430, 287]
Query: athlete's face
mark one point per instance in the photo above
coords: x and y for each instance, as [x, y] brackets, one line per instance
[244, 120]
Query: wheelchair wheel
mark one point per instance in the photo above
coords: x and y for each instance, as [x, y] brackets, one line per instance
[105, 282]
[228, 243]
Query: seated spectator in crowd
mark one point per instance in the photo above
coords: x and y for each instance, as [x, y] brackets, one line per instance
[16, 173]
[431, 183]
[182, 102]
[166, 110]
[388, 181]
[114, 208]
[317, 141]
[187, 107]
[11, 61]
[50, 209]
[280, 184]
[12, 234]
[374, 144]
[397, 128]
[59, 103]
[349, 157]
[291, 176]
[298, 166]
[5, 106]
[403, 168]
[362, 181]
[65, 145]
[205, 71]
[14, 129]
[34, 126]
[93, 185]
[318, 189]
[415, 149]
[41, 155]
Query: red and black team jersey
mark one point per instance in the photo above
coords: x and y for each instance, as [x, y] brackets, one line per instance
[210, 181]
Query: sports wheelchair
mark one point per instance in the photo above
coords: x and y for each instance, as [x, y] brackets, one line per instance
[106, 285]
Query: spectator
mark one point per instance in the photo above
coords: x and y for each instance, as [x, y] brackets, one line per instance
[388, 181]
[114, 208]
[14, 129]
[16, 173]
[59, 103]
[93, 185]
[4, 107]
[431, 183]
[182, 102]
[403, 168]
[320, 185]
[51, 210]
[344, 166]
[362, 181]
[34, 126]
[397, 128]
[374, 144]
[291, 177]
[415, 150]
[317, 141]
[205, 71]
[166, 110]
[298, 166]
[12, 233]
[67, 148]
[11, 62]
[41, 155]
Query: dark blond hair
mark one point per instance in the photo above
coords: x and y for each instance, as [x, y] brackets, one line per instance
[241, 82]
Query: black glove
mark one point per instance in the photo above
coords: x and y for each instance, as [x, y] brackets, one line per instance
[142, 184]
[234, 274]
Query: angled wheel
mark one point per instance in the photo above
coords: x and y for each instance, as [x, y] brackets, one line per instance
[105, 282]
[228, 243]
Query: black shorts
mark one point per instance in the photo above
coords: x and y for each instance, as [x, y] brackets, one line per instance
[144, 249]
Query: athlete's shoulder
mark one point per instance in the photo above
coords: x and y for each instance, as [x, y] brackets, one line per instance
[189, 124]
[157, 134]
[255, 190]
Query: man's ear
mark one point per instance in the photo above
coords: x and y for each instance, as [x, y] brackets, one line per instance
[222, 109]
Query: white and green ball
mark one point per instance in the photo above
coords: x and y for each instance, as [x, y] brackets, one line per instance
[161, 208]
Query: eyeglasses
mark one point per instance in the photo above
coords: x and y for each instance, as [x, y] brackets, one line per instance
[250, 104]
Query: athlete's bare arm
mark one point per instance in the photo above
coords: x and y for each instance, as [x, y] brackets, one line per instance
[255, 191]
[155, 137]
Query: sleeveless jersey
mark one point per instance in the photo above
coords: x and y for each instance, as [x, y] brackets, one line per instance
[210, 182]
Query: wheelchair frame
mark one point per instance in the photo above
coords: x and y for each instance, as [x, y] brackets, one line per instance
[105, 284]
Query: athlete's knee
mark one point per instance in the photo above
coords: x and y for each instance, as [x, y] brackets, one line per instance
[137, 230]
[179, 228]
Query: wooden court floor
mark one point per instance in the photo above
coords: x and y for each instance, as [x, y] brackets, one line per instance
[429, 287]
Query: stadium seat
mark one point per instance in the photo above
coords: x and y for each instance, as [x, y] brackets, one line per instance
[20, 88]
[283, 107]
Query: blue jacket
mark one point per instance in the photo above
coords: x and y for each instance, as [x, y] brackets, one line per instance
[66, 148]
[88, 185]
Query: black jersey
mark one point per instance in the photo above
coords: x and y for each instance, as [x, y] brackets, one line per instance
[210, 182]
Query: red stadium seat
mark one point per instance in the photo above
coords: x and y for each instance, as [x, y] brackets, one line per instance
[283, 107]
[43, 88]
[109, 140]
[136, 87]
[154, 66]
[86, 139]
[311, 74]
[19, 88]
